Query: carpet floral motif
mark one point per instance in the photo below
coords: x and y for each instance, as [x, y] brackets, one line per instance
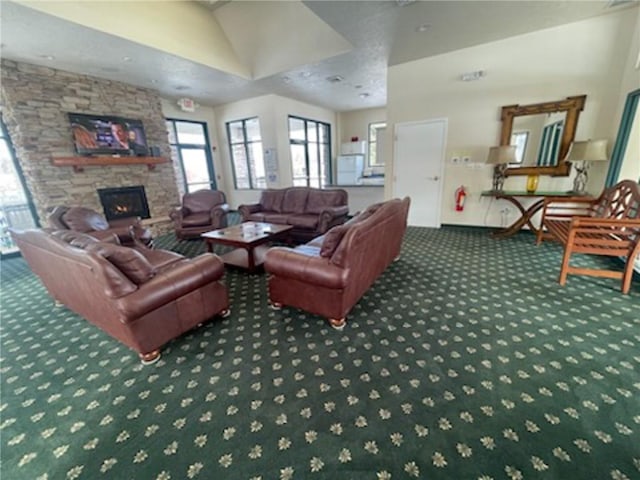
[464, 360]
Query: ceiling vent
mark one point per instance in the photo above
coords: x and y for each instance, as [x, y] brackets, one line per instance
[472, 76]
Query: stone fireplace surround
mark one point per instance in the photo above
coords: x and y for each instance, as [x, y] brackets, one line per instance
[35, 102]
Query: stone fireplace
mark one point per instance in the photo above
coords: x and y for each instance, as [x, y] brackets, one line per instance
[36, 101]
[124, 202]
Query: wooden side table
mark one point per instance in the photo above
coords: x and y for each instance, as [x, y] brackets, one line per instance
[515, 197]
[157, 225]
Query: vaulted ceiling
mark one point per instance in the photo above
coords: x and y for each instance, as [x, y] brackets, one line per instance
[329, 53]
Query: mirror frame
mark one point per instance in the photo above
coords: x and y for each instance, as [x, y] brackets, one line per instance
[572, 105]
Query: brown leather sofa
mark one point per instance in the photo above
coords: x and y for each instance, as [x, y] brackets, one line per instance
[140, 296]
[330, 274]
[85, 220]
[201, 211]
[311, 211]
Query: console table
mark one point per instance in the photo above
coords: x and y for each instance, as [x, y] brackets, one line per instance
[516, 197]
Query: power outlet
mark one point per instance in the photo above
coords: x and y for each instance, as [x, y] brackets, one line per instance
[455, 160]
[466, 160]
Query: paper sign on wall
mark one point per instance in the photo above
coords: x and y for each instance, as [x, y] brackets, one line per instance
[271, 165]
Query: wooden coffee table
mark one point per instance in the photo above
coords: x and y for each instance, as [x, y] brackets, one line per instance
[249, 238]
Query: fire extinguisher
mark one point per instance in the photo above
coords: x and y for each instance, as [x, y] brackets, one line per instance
[460, 195]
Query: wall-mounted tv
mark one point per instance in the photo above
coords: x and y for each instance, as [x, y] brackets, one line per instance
[106, 134]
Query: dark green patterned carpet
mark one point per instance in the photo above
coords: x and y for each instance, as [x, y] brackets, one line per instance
[465, 360]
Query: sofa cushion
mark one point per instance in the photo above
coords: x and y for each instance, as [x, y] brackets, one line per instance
[256, 217]
[280, 218]
[271, 200]
[295, 200]
[75, 239]
[160, 259]
[318, 200]
[303, 220]
[129, 261]
[196, 219]
[332, 239]
[84, 220]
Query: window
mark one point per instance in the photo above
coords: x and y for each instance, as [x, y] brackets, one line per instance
[190, 145]
[16, 207]
[519, 140]
[245, 145]
[374, 131]
[310, 152]
[550, 144]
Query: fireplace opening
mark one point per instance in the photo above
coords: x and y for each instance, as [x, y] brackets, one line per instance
[124, 202]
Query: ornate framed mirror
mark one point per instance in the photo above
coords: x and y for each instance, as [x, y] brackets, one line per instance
[542, 134]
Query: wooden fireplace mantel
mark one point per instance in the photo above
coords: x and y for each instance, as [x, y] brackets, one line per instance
[78, 163]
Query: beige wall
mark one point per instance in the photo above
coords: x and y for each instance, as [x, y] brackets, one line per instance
[586, 57]
[356, 123]
[273, 112]
[202, 114]
[630, 81]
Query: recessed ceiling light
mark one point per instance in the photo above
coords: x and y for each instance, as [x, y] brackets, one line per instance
[153, 80]
[305, 74]
[423, 28]
[335, 79]
[127, 59]
[286, 79]
[364, 95]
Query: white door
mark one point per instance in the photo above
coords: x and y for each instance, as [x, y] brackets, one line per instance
[418, 168]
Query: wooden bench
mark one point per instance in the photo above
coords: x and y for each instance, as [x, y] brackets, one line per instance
[608, 225]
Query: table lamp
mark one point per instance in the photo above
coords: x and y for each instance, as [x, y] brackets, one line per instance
[581, 154]
[501, 157]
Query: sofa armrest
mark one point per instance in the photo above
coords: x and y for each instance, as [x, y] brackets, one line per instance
[329, 214]
[171, 284]
[177, 214]
[219, 211]
[285, 262]
[246, 210]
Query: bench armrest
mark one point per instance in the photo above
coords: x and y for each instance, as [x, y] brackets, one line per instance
[566, 207]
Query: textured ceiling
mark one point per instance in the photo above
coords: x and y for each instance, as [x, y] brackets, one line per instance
[285, 48]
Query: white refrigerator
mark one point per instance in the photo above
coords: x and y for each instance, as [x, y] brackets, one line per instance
[349, 169]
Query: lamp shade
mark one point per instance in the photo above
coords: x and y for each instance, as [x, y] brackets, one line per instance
[588, 150]
[502, 154]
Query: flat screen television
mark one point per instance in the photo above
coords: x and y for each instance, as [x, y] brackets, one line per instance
[107, 135]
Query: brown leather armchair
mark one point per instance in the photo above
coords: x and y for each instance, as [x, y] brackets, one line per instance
[201, 211]
[84, 220]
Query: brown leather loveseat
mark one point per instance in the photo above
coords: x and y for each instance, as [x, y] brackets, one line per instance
[85, 220]
[140, 296]
[311, 211]
[330, 274]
